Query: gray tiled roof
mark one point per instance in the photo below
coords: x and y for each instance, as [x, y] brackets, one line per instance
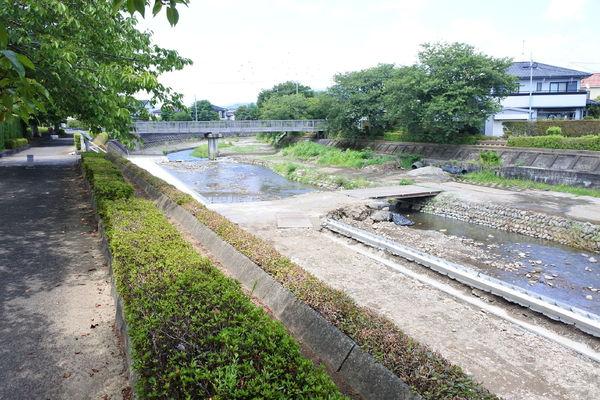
[521, 69]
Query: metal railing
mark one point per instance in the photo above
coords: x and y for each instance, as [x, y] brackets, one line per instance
[175, 127]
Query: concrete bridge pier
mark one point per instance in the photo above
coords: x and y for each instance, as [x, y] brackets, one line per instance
[213, 145]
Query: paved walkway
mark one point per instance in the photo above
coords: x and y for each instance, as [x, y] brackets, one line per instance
[57, 338]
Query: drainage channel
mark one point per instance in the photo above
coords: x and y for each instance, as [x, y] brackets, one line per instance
[583, 320]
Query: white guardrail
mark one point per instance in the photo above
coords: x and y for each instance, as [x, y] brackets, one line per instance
[583, 320]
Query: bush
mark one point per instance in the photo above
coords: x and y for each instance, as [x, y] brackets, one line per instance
[406, 160]
[76, 124]
[77, 141]
[16, 143]
[589, 142]
[194, 333]
[540, 127]
[554, 130]
[425, 371]
[11, 128]
[101, 138]
[490, 158]
[407, 137]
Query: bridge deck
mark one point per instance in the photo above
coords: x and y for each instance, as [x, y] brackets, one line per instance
[144, 128]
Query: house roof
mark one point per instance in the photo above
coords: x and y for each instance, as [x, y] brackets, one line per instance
[521, 69]
[217, 108]
[592, 81]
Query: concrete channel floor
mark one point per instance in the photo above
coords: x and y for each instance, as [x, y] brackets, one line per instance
[57, 338]
[511, 362]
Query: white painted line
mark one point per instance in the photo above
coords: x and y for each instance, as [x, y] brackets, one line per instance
[578, 347]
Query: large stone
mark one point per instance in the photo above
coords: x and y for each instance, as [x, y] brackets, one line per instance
[401, 220]
[381, 216]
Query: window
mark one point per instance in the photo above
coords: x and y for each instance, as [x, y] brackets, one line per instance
[558, 86]
[538, 87]
[572, 86]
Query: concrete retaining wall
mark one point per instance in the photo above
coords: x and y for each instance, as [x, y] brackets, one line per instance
[355, 371]
[583, 235]
[570, 165]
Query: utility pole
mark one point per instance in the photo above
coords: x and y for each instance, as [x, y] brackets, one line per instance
[195, 109]
[530, 84]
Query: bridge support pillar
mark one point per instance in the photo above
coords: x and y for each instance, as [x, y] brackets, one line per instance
[213, 145]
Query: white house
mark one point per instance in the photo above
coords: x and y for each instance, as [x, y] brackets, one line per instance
[545, 92]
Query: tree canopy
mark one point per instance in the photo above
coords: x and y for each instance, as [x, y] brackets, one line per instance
[283, 89]
[202, 110]
[89, 60]
[247, 112]
[449, 93]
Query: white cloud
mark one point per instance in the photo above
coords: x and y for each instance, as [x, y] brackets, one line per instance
[565, 10]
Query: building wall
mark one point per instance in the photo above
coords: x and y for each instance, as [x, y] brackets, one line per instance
[594, 93]
[524, 84]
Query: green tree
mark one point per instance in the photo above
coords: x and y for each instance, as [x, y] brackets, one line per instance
[181, 115]
[204, 111]
[291, 106]
[449, 93]
[283, 89]
[90, 60]
[357, 105]
[139, 6]
[247, 112]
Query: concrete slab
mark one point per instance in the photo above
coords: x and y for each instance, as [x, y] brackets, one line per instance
[406, 191]
[293, 221]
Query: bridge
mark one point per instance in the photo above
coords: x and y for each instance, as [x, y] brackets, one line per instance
[167, 131]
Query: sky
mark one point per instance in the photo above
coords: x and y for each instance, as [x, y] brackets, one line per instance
[241, 47]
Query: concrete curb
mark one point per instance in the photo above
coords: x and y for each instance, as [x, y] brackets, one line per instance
[352, 368]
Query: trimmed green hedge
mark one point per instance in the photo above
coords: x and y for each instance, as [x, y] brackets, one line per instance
[424, 370]
[77, 141]
[10, 129]
[194, 333]
[539, 128]
[16, 143]
[589, 142]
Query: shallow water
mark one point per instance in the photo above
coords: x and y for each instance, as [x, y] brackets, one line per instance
[567, 269]
[226, 181]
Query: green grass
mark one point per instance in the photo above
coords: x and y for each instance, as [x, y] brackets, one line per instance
[202, 150]
[311, 176]
[489, 177]
[334, 157]
[193, 332]
[406, 181]
[406, 160]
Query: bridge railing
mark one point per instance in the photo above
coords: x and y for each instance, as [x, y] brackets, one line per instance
[166, 127]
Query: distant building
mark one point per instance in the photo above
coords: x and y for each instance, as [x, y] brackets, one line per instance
[592, 85]
[545, 92]
[224, 113]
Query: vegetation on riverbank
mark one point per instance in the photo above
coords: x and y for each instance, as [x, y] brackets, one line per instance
[490, 178]
[311, 176]
[193, 332]
[587, 142]
[425, 371]
[332, 156]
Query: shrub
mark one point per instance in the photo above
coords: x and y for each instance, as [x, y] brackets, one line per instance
[554, 130]
[77, 141]
[539, 128]
[406, 160]
[589, 142]
[16, 143]
[194, 334]
[101, 138]
[11, 128]
[425, 371]
[490, 158]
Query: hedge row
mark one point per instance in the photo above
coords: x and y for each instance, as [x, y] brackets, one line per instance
[425, 371]
[10, 129]
[538, 128]
[589, 142]
[194, 333]
[16, 143]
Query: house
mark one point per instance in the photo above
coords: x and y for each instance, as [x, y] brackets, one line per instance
[545, 92]
[592, 85]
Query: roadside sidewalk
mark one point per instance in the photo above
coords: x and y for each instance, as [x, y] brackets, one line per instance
[56, 311]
